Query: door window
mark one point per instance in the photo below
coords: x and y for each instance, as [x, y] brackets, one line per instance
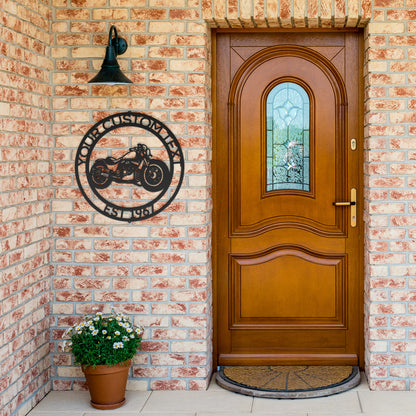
[287, 124]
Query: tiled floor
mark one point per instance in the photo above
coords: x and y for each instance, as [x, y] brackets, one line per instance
[219, 402]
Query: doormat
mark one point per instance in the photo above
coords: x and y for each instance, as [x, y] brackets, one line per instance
[288, 381]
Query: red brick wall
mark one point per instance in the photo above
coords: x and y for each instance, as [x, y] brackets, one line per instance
[25, 211]
[390, 195]
[156, 270]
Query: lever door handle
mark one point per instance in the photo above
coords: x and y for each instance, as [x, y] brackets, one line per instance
[352, 204]
[343, 204]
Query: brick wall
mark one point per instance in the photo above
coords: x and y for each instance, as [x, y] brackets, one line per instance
[390, 49]
[25, 185]
[156, 270]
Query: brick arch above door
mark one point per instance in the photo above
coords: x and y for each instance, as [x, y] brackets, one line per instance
[287, 13]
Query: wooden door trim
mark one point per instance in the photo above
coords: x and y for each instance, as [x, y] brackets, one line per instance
[214, 199]
[217, 175]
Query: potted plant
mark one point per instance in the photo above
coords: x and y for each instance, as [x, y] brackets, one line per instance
[104, 346]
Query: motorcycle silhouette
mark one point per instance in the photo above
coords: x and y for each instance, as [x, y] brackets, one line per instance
[138, 169]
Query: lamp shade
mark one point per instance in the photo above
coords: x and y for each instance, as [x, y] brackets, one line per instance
[110, 72]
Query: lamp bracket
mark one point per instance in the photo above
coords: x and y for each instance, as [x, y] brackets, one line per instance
[119, 44]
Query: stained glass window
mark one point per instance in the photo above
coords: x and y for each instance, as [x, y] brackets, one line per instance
[288, 114]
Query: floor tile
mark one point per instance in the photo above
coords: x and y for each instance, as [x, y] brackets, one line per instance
[213, 385]
[61, 402]
[169, 414]
[250, 414]
[224, 414]
[115, 412]
[335, 413]
[219, 402]
[203, 401]
[388, 403]
[77, 403]
[408, 412]
[36, 412]
[340, 403]
[363, 385]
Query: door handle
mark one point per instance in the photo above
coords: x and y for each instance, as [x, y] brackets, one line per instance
[343, 204]
[352, 204]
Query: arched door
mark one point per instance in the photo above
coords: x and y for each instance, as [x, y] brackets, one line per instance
[288, 199]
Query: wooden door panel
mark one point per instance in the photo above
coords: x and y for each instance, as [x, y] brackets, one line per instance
[285, 286]
[298, 236]
[256, 210]
[288, 267]
[283, 341]
[289, 295]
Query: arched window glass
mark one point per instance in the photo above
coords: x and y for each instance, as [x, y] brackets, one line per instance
[288, 114]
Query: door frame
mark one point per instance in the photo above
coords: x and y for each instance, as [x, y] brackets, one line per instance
[215, 175]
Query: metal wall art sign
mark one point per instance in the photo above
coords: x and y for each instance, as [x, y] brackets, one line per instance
[129, 166]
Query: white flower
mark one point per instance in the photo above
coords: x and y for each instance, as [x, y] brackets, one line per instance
[91, 328]
[104, 331]
[129, 330]
[139, 331]
[79, 332]
[117, 333]
[99, 313]
[96, 319]
[118, 318]
[125, 338]
[66, 333]
[95, 332]
[117, 345]
[109, 337]
[132, 336]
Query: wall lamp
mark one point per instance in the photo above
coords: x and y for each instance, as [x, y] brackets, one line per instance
[110, 72]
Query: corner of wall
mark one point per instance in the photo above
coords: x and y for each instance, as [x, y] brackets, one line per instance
[25, 205]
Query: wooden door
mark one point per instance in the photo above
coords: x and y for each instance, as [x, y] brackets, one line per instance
[288, 264]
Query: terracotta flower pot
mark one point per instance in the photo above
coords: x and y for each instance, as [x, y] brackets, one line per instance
[107, 384]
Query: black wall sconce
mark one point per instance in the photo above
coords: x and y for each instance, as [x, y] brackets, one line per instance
[110, 72]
